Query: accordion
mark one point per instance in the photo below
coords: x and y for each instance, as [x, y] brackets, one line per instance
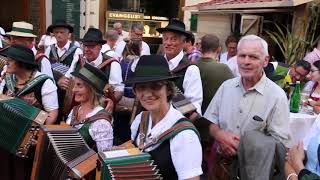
[3, 61]
[62, 153]
[181, 103]
[19, 124]
[59, 70]
[127, 164]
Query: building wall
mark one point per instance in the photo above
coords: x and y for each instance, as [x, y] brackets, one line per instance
[187, 13]
[217, 24]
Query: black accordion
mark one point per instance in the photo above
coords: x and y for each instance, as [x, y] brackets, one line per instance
[19, 125]
[62, 153]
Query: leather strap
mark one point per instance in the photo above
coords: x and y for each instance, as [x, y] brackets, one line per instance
[40, 56]
[182, 65]
[100, 115]
[178, 127]
[143, 128]
[106, 62]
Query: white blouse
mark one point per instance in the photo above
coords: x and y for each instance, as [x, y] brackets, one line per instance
[100, 131]
[185, 144]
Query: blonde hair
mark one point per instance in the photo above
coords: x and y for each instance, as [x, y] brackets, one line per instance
[95, 98]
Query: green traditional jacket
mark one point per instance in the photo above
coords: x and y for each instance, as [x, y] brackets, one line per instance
[307, 175]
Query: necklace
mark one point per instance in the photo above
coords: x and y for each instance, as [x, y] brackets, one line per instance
[25, 82]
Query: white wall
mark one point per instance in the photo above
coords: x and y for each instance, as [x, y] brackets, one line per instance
[218, 24]
[48, 13]
[187, 13]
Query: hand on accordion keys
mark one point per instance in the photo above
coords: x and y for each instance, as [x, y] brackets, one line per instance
[63, 83]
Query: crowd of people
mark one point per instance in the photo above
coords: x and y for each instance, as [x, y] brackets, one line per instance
[232, 107]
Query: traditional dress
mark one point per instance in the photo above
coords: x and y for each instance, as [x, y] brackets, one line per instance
[98, 132]
[179, 157]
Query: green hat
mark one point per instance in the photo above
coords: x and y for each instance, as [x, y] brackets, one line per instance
[19, 53]
[151, 68]
[93, 76]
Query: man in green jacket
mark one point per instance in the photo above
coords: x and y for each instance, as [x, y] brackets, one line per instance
[213, 74]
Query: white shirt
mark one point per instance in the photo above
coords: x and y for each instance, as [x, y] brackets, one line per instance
[47, 40]
[105, 48]
[224, 58]
[185, 147]
[233, 108]
[121, 45]
[34, 50]
[123, 35]
[100, 131]
[233, 65]
[61, 51]
[115, 77]
[192, 84]
[48, 92]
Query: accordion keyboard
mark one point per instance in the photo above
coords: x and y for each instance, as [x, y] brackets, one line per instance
[63, 153]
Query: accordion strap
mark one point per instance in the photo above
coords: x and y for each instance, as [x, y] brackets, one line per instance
[107, 62]
[100, 115]
[40, 56]
[179, 126]
[143, 128]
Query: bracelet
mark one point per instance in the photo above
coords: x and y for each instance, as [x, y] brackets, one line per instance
[291, 174]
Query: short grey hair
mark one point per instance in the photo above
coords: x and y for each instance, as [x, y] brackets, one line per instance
[112, 34]
[117, 25]
[137, 26]
[263, 43]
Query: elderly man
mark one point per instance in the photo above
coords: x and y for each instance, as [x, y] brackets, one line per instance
[112, 38]
[189, 82]
[136, 32]
[22, 34]
[249, 102]
[63, 51]
[122, 34]
[92, 43]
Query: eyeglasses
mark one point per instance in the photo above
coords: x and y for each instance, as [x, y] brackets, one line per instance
[154, 86]
[299, 74]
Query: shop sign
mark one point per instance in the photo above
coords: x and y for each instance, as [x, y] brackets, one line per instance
[124, 15]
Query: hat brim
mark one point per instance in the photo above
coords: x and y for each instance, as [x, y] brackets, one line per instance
[19, 59]
[51, 27]
[20, 34]
[82, 77]
[161, 30]
[149, 79]
[99, 42]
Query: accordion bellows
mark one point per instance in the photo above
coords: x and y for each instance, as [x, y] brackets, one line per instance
[123, 164]
[62, 153]
[19, 124]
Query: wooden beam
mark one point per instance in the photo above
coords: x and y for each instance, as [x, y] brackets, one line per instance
[102, 17]
[181, 13]
[42, 16]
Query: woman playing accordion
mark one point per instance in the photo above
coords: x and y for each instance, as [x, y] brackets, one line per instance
[24, 81]
[178, 156]
[93, 122]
